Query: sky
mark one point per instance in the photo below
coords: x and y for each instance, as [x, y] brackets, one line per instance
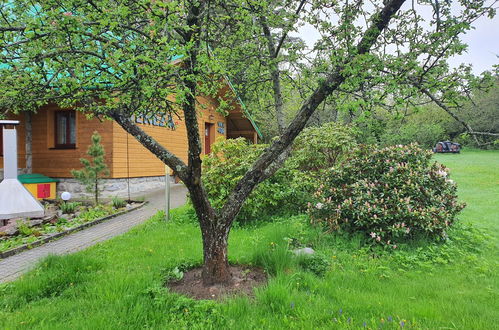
[483, 45]
[482, 41]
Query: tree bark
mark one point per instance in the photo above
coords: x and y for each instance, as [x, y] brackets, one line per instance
[275, 76]
[215, 242]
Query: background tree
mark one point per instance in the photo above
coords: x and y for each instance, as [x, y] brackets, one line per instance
[94, 169]
[117, 59]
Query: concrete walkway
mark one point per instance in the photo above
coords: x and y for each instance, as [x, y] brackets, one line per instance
[13, 267]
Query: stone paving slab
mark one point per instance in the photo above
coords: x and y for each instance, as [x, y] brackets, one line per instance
[13, 267]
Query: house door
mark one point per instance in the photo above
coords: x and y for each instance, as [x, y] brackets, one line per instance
[207, 137]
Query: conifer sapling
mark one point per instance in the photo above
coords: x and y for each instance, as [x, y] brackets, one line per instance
[93, 170]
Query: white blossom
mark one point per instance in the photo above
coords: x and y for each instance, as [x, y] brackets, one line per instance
[442, 173]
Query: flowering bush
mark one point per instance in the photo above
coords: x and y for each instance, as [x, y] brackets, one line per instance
[391, 195]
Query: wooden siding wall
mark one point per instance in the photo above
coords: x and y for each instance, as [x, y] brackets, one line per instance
[59, 162]
[141, 162]
[138, 162]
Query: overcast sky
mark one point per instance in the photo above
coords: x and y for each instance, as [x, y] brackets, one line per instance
[483, 44]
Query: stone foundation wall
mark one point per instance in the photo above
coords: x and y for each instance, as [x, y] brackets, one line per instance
[113, 187]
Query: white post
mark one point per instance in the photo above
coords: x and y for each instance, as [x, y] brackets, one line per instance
[9, 153]
[167, 193]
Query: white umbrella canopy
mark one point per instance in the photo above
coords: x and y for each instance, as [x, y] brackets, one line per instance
[17, 202]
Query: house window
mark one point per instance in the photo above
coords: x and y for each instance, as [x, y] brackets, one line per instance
[65, 129]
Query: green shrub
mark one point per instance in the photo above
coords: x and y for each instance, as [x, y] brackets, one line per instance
[118, 203]
[226, 165]
[289, 189]
[318, 148]
[69, 207]
[390, 195]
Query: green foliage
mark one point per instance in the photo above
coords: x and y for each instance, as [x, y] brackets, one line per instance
[118, 202]
[481, 115]
[184, 215]
[114, 57]
[177, 273]
[316, 263]
[391, 195]
[322, 147]
[69, 207]
[94, 213]
[184, 312]
[24, 229]
[288, 190]
[94, 169]
[174, 274]
[226, 165]
[425, 134]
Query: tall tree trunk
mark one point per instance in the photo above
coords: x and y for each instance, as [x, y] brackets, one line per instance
[215, 225]
[275, 76]
[29, 142]
[216, 266]
[276, 83]
[215, 233]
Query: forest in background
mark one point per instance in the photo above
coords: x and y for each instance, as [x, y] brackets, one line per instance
[425, 122]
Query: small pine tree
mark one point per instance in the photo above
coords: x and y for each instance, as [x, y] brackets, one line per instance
[94, 170]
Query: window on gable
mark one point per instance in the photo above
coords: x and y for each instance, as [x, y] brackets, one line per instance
[65, 129]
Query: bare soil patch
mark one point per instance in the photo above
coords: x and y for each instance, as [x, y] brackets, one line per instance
[244, 279]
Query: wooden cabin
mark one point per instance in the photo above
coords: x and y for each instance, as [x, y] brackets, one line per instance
[60, 137]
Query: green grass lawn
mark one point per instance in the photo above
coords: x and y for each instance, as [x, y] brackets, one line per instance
[119, 283]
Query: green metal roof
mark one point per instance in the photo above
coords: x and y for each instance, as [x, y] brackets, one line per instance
[35, 178]
[245, 110]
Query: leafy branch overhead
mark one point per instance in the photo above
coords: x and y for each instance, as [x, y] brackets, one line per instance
[115, 59]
